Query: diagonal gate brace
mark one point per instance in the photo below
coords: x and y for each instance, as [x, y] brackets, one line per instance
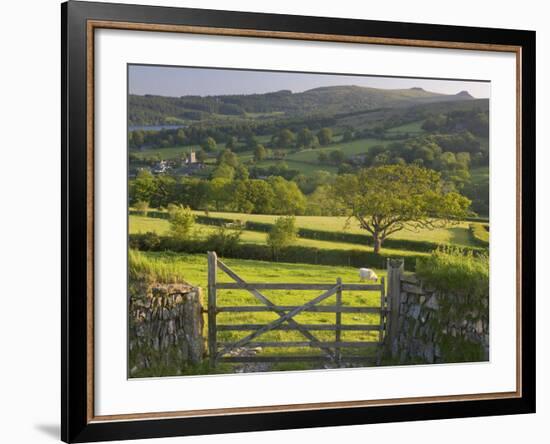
[284, 317]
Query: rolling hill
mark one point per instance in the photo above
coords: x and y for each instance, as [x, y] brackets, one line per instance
[151, 109]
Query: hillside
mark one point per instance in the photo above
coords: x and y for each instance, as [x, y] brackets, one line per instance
[350, 98]
[152, 110]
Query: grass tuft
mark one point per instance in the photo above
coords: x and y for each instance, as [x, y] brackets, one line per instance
[480, 233]
[450, 269]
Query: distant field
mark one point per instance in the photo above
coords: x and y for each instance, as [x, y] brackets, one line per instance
[140, 224]
[480, 175]
[457, 235]
[349, 148]
[304, 168]
[270, 114]
[264, 138]
[413, 127]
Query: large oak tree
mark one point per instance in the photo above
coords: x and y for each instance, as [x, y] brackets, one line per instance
[390, 198]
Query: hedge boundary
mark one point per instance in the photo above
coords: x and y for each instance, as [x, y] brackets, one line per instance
[480, 234]
[322, 235]
[293, 254]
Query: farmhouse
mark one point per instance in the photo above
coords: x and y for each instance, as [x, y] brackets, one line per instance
[161, 167]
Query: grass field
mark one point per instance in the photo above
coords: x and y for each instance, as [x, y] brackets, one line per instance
[141, 224]
[479, 175]
[349, 148]
[413, 127]
[304, 168]
[193, 269]
[269, 114]
[457, 234]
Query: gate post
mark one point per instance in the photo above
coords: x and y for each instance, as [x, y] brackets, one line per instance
[212, 271]
[338, 337]
[395, 268]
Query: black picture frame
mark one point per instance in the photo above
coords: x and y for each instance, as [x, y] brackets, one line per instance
[76, 423]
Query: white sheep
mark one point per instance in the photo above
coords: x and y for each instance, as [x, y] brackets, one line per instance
[367, 274]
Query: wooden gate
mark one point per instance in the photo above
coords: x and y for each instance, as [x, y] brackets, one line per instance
[331, 350]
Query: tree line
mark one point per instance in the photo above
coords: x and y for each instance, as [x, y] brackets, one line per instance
[275, 195]
[383, 200]
[242, 131]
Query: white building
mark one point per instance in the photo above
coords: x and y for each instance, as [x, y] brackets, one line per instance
[160, 167]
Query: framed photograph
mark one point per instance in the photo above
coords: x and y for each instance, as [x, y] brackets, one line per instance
[276, 221]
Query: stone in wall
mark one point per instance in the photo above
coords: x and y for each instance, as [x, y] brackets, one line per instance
[165, 326]
[433, 327]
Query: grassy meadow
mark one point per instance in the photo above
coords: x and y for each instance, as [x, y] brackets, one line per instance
[349, 149]
[141, 224]
[413, 127]
[304, 167]
[458, 234]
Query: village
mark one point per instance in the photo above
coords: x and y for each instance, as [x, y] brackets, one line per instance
[186, 165]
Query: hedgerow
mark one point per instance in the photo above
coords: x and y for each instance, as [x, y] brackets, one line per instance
[292, 254]
[480, 234]
[321, 235]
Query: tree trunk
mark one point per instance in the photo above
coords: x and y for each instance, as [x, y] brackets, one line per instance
[377, 243]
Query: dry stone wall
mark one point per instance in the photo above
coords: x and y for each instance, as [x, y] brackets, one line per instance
[430, 326]
[165, 326]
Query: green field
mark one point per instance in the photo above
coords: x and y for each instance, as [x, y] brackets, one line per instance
[349, 148]
[413, 127]
[457, 234]
[269, 114]
[304, 168]
[192, 268]
[140, 224]
[479, 175]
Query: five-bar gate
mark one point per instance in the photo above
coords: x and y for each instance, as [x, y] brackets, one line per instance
[330, 350]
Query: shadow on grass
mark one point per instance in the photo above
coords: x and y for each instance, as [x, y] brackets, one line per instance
[460, 236]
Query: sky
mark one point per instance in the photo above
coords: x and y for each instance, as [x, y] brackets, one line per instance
[182, 81]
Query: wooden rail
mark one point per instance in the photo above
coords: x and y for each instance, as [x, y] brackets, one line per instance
[356, 344]
[317, 309]
[294, 286]
[294, 358]
[315, 327]
[332, 350]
